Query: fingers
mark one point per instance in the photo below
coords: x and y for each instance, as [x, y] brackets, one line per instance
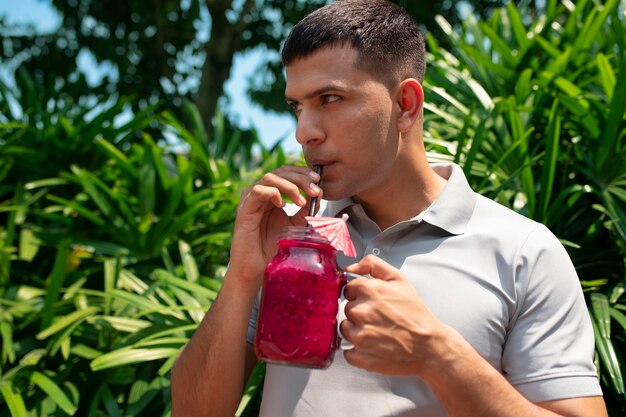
[256, 196]
[369, 266]
[289, 180]
[375, 267]
[346, 329]
[286, 181]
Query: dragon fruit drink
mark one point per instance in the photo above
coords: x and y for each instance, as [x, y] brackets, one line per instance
[298, 309]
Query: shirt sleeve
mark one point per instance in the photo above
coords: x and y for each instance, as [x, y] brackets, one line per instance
[549, 348]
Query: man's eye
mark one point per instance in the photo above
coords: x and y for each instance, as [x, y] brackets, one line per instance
[295, 107]
[330, 98]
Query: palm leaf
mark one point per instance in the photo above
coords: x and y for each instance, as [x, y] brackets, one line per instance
[53, 391]
[13, 400]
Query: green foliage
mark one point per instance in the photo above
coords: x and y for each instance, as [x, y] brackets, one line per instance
[168, 50]
[114, 236]
[115, 225]
[535, 114]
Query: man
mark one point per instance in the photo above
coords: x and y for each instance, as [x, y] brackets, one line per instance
[474, 309]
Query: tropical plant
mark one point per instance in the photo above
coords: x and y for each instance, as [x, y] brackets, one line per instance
[113, 239]
[173, 49]
[535, 114]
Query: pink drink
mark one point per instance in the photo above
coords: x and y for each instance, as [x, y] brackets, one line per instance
[297, 317]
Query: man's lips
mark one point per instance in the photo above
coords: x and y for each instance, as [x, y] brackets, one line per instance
[324, 164]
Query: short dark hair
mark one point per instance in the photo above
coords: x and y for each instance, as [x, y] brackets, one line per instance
[389, 43]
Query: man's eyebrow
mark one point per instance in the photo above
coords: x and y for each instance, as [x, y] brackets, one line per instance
[319, 91]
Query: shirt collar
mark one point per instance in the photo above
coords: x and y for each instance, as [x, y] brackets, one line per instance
[452, 209]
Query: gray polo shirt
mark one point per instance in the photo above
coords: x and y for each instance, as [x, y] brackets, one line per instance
[501, 280]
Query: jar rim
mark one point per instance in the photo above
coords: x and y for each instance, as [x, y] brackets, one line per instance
[306, 233]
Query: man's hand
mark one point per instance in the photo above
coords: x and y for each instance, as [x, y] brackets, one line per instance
[260, 218]
[391, 328]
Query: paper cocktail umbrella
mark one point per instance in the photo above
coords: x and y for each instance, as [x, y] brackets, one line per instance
[335, 229]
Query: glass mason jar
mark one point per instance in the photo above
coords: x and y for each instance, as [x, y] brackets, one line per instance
[298, 309]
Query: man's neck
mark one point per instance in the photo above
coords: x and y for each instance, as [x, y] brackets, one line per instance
[404, 198]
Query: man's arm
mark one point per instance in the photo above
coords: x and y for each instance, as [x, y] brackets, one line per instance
[209, 376]
[467, 385]
[394, 333]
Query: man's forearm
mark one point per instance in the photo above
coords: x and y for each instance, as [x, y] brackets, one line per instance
[467, 385]
[208, 377]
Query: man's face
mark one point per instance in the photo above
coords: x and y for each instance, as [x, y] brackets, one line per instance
[346, 122]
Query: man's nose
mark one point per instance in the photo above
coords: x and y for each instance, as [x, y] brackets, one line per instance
[309, 130]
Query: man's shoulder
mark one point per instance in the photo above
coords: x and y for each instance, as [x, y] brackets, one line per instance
[495, 219]
[489, 210]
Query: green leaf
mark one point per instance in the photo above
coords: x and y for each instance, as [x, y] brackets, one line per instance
[601, 313]
[580, 108]
[197, 125]
[607, 76]
[53, 391]
[139, 302]
[111, 274]
[189, 263]
[62, 339]
[128, 356]
[523, 87]
[57, 277]
[548, 170]
[158, 159]
[192, 304]
[142, 394]
[13, 400]
[253, 388]
[124, 324]
[521, 136]
[486, 64]
[8, 349]
[521, 35]
[608, 356]
[615, 120]
[120, 159]
[619, 317]
[129, 281]
[548, 47]
[556, 66]
[617, 292]
[79, 209]
[147, 184]
[167, 365]
[84, 351]
[594, 23]
[29, 245]
[175, 341]
[62, 323]
[500, 45]
[33, 357]
[110, 404]
[193, 288]
[479, 136]
[47, 182]
[160, 332]
[568, 87]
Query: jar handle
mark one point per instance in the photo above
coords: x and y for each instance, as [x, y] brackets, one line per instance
[341, 311]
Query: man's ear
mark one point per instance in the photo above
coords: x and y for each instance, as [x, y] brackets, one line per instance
[410, 100]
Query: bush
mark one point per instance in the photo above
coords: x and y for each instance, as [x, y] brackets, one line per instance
[112, 247]
[534, 111]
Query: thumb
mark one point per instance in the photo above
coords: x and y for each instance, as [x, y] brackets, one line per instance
[376, 268]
